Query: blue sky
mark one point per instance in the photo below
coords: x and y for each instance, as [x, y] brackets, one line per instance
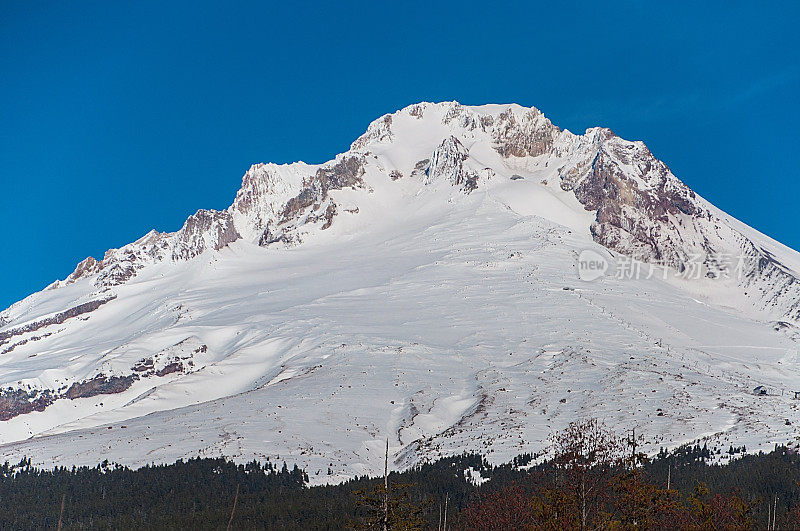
[120, 117]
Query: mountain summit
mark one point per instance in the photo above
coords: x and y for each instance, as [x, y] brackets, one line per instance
[422, 286]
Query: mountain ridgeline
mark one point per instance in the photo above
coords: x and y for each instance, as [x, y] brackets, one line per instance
[423, 287]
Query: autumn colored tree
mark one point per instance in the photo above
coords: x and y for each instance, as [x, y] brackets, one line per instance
[586, 456]
[509, 508]
[707, 511]
[596, 480]
[638, 504]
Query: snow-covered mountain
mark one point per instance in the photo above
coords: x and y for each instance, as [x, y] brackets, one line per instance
[422, 286]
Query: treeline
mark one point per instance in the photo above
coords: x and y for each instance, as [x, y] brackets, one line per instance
[596, 480]
[591, 479]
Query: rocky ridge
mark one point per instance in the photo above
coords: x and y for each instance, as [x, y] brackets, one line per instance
[642, 210]
[425, 276]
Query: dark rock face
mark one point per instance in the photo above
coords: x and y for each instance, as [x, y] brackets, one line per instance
[15, 402]
[269, 237]
[346, 173]
[632, 192]
[118, 273]
[175, 366]
[206, 229]
[465, 118]
[305, 199]
[253, 186]
[177, 358]
[145, 368]
[420, 167]
[622, 207]
[529, 136]
[634, 195]
[645, 212]
[144, 365]
[417, 111]
[330, 212]
[447, 162]
[59, 318]
[100, 385]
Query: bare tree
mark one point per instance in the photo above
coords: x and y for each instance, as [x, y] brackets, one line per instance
[61, 514]
[233, 509]
[386, 489]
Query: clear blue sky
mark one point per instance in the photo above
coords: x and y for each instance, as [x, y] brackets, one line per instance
[119, 117]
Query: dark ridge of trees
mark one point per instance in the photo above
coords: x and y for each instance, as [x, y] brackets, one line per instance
[592, 479]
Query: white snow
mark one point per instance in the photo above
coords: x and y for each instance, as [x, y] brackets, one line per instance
[430, 317]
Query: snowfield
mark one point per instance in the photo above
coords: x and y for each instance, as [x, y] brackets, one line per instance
[445, 319]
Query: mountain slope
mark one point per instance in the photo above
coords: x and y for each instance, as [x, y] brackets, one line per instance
[421, 286]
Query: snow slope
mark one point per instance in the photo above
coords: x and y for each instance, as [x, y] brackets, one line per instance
[422, 287]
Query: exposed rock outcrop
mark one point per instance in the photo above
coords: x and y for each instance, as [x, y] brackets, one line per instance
[207, 229]
[636, 198]
[306, 207]
[530, 135]
[15, 402]
[100, 385]
[88, 267]
[641, 209]
[56, 319]
[447, 162]
[179, 358]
